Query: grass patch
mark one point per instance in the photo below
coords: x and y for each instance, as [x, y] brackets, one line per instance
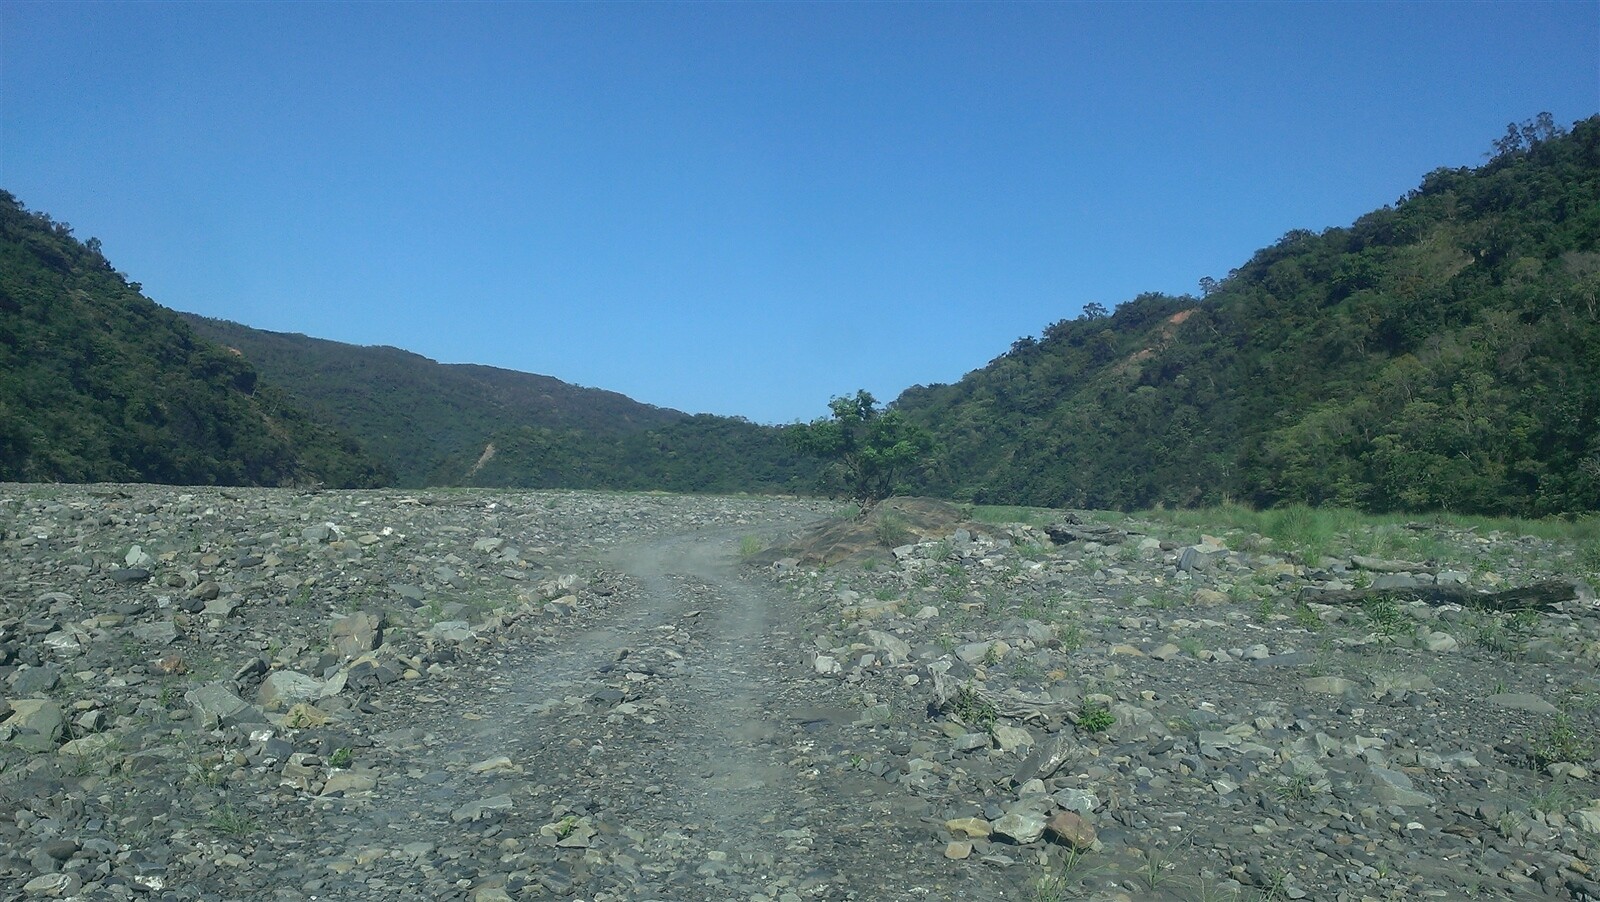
[999, 513]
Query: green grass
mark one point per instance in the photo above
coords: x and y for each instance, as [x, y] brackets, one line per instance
[1329, 531]
[750, 546]
[1094, 717]
[998, 514]
[230, 821]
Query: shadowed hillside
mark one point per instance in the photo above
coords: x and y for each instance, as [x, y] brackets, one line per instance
[98, 383]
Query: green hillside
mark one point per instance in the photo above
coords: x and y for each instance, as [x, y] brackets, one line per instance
[461, 424]
[98, 383]
[1443, 353]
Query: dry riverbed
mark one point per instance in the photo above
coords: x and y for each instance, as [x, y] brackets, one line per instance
[257, 694]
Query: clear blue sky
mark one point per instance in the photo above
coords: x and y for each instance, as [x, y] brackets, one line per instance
[740, 208]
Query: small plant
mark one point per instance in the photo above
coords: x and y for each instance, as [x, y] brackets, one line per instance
[1095, 717]
[974, 709]
[1266, 608]
[1055, 885]
[750, 546]
[1296, 788]
[1070, 635]
[1561, 742]
[341, 757]
[1306, 619]
[892, 530]
[230, 821]
[565, 826]
[1385, 616]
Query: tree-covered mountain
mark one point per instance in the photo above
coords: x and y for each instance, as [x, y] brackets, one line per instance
[1442, 353]
[463, 424]
[98, 383]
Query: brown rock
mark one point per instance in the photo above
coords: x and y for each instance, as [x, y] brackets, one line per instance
[1070, 829]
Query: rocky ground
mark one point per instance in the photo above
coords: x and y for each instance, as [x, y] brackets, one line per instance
[254, 694]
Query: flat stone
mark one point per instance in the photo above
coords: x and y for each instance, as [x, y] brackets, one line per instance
[217, 700]
[357, 634]
[1329, 685]
[957, 850]
[1020, 824]
[969, 826]
[1521, 701]
[1070, 829]
[284, 688]
[481, 808]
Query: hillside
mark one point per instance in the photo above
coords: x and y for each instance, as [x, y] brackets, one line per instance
[462, 424]
[98, 383]
[1443, 353]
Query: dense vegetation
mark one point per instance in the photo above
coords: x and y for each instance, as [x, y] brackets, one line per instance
[1440, 354]
[459, 424]
[98, 383]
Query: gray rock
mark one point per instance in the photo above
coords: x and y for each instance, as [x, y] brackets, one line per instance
[1521, 701]
[218, 701]
[283, 688]
[357, 634]
[1022, 824]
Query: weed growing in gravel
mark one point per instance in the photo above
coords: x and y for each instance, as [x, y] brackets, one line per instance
[1070, 634]
[1305, 618]
[1559, 798]
[1056, 884]
[1561, 741]
[1385, 617]
[230, 821]
[1095, 717]
[750, 546]
[892, 530]
[341, 757]
[974, 709]
[1266, 608]
[1295, 788]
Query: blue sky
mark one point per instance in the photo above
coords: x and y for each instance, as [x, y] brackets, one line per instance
[740, 208]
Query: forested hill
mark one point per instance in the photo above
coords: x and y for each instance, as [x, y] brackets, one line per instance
[462, 424]
[1443, 353]
[98, 383]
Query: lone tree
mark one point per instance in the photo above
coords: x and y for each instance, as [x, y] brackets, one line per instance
[869, 448]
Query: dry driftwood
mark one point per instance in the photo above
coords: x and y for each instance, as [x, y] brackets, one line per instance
[948, 695]
[1545, 596]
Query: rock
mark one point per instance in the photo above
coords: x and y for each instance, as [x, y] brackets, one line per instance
[218, 701]
[38, 722]
[1587, 819]
[52, 886]
[1022, 824]
[458, 631]
[896, 648]
[1395, 788]
[1329, 685]
[975, 827]
[90, 746]
[482, 808]
[1209, 598]
[1521, 701]
[1166, 652]
[1011, 738]
[159, 632]
[348, 783]
[35, 680]
[957, 850]
[357, 634]
[283, 688]
[1070, 829]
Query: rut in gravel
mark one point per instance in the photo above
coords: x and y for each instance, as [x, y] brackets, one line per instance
[710, 793]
